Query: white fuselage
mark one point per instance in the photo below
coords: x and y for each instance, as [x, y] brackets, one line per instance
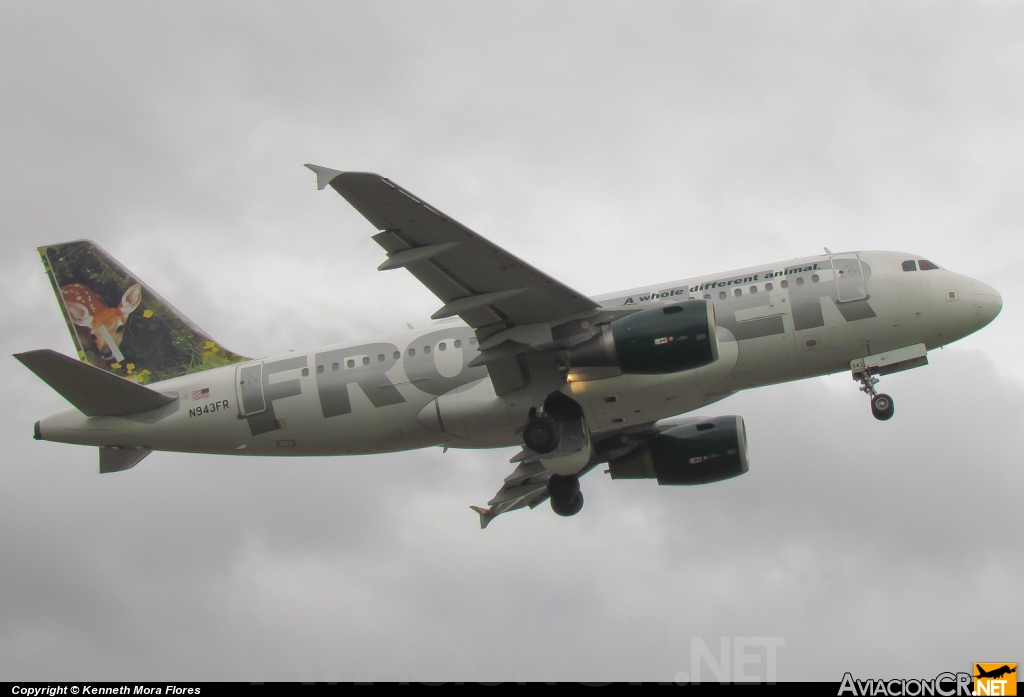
[776, 323]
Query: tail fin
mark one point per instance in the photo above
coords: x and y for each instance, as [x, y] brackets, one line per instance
[119, 324]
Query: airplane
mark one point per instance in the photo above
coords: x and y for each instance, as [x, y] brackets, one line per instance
[515, 358]
[995, 673]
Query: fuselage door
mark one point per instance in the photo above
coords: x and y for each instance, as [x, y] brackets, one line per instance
[850, 282]
[249, 385]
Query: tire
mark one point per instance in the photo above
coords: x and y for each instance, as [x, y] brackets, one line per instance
[540, 435]
[564, 490]
[563, 487]
[570, 508]
[882, 407]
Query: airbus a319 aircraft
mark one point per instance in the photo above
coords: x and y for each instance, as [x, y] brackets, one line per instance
[515, 358]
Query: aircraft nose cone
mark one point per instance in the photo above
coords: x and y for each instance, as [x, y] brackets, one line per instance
[988, 301]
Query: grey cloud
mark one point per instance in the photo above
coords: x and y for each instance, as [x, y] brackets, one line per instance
[707, 136]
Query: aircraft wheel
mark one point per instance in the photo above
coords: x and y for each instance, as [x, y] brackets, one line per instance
[563, 487]
[571, 507]
[564, 490]
[882, 407]
[541, 435]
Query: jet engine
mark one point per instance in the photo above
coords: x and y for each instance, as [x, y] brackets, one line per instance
[696, 453]
[661, 340]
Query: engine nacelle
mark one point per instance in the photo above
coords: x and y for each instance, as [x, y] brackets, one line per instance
[698, 453]
[661, 340]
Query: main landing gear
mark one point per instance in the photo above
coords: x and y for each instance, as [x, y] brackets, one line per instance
[558, 434]
[566, 497]
[541, 434]
[546, 429]
[882, 407]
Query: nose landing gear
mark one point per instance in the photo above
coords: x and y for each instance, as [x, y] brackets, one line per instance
[882, 407]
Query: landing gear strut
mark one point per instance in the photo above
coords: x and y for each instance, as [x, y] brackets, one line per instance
[882, 407]
[566, 497]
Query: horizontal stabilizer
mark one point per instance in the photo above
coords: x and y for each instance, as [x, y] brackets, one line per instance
[120, 459]
[94, 391]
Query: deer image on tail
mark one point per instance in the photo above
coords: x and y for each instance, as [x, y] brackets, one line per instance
[102, 326]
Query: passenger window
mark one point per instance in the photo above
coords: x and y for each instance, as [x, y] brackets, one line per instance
[335, 366]
[426, 349]
[412, 352]
[738, 292]
[396, 355]
[707, 296]
[721, 295]
[366, 360]
[753, 289]
[351, 363]
[380, 358]
[926, 265]
[814, 278]
[784, 283]
[769, 287]
[442, 346]
[305, 372]
[799, 280]
[909, 265]
[473, 341]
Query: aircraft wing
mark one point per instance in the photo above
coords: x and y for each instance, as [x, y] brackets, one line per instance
[526, 486]
[474, 278]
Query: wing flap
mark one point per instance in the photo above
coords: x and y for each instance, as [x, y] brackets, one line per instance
[93, 391]
[526, 487]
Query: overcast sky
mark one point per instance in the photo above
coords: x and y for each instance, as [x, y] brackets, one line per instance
[610, 144]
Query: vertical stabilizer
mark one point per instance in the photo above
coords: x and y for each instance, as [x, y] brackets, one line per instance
[120, 324]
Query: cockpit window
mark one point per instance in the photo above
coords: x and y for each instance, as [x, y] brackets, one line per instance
[926, 265]
[910, 265]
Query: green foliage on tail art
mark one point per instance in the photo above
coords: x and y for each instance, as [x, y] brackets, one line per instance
[156, 341]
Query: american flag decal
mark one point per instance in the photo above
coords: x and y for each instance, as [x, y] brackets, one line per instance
[201, 394]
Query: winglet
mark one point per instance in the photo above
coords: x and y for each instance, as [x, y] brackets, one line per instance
[324, 175]
[485, 516]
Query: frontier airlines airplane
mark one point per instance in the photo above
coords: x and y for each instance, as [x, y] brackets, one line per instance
[515, 358]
